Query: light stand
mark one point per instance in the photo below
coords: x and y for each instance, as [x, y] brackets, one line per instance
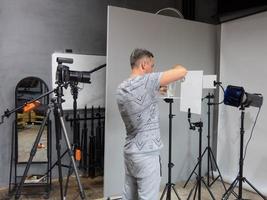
[169, 186]
[211, 158]
[197, 187]
[76, 136]
[240, 178]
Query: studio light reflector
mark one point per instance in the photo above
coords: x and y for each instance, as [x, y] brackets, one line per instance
[236, 96]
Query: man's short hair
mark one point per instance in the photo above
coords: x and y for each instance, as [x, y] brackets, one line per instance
[138, 54]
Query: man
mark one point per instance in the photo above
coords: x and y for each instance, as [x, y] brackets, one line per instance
[137, 102]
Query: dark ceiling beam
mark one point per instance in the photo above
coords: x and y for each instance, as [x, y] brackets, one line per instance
[189, 9]
[241, 13]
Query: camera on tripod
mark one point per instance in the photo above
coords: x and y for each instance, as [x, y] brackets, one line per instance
[65, 75]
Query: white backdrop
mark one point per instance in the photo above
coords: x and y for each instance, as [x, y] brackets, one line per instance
[172, 41]
[244, 63]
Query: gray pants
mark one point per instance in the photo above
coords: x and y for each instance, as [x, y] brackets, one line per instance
[142, 176]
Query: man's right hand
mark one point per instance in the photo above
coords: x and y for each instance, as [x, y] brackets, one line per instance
[163, 90]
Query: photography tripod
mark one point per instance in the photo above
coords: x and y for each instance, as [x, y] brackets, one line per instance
[169, 186]
[210, 157]
[197, 187]
[59, 128]
[240, 178]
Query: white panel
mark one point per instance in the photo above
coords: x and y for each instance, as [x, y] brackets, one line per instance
[89, 94]
[208, 81]
[172, 41]
[191, 92]
[243, 63]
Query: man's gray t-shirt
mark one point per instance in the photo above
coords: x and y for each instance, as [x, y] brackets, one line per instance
[137, 102]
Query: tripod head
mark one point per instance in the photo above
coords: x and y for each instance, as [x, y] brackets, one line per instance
[74, 90]
[209, 96]
[193, 125]
[189, 120]
[215, 83]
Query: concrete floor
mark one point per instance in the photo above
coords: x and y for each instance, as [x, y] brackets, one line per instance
[94, 190]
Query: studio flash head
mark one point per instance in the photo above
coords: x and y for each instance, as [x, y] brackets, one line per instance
[236, 96]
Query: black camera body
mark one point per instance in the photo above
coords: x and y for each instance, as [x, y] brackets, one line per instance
[65, 75]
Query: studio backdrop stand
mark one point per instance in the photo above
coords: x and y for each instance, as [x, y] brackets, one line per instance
[210, 157]
[169, 185]
[199, 179]
[240, 178]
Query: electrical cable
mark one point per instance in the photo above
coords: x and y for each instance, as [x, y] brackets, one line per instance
[251, 133]
[223, 93]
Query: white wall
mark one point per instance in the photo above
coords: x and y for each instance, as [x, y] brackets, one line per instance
[244, 63]
[172, 41]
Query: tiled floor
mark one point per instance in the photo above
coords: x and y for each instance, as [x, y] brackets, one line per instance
[94, 190]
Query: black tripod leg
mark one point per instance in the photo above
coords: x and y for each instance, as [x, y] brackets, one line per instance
[196, 189]
[230, 189]
[258, 192]
[175, 192]
[56, 163]
[194, 169]
[164, 191]
[67, 181]
[191, 175]
[32, 153]
[208, 190]
[58, 148]
[192, 190]
[220, 175]
[82, 194]
[169, 192]
[11, 159]
[209, 165]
